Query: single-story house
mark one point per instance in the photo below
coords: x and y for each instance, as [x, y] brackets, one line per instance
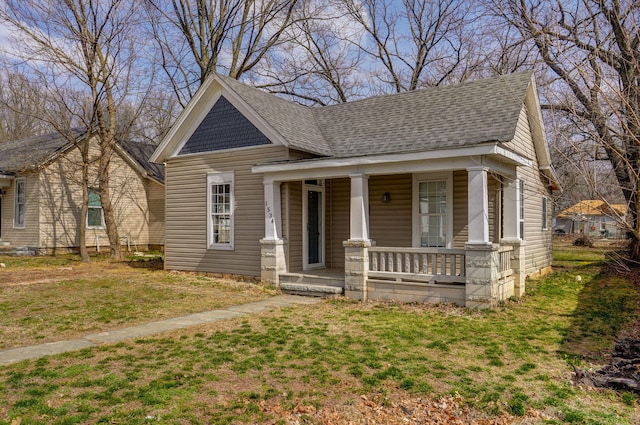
[435, 195]
[41, 195]
[593, 217]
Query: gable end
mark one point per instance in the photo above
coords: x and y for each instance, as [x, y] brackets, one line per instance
[223, 128]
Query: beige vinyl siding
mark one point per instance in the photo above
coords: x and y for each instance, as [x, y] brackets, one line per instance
[61, 200]
[27, 237]
[186, 210]
[522, 142]
[460, 209]
[538, 241]
[129, 196]
[390, 224]
[156, 212]
[294, 237]
[338, 195]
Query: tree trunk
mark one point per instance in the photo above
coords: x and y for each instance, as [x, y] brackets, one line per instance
[115, 249]
[84, 209]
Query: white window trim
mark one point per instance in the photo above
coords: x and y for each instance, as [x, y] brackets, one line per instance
[520, 208]
[102, 225]
[23, 181]
[545, 213]
[419, 178]
[216, 179]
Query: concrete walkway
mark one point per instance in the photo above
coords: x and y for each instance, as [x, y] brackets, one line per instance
[13, 355]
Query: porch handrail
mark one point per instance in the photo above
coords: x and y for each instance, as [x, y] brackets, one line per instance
[504, 261]
[417, 264]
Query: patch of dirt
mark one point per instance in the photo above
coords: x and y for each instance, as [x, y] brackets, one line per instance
[401, 410]
[622, 372]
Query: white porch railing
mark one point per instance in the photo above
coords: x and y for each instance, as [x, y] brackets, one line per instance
[434, 265]
[504, 261]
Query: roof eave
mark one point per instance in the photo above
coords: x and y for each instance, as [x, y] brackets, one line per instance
[490, 149]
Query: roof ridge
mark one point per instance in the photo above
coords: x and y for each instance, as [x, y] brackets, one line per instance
[422, 90]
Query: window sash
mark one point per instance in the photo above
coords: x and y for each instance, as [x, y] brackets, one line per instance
[432, 213]
[521, 209]
[221, 213]
[95, 214]
[545, 216]
[20, 201]
[220, 210]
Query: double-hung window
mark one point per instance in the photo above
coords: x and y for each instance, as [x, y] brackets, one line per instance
[432, 226]
[545, 213]
[20, 203]
[220, 210]
[520, 195]
[95, 215]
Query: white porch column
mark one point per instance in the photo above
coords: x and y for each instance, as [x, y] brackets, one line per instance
[510, 210]
[359, 211]
[511, 235]
[356, 249]
[478, 206]
[481, 257]
[272, 246]
[272, 211]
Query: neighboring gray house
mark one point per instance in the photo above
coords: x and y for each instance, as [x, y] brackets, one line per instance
[592, 217]
[41, 197]
[435, 195]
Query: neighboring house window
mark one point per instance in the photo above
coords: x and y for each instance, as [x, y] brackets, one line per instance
[520, 194]
[432, 213]
[545, 215]
[220, 212]
[20, 202]
[95, 216]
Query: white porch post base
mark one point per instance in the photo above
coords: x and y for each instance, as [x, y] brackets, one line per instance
[481, 265]
[272, 260]
[356, 268]
[518, 265]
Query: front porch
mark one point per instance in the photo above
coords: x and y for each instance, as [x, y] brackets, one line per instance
[431, 235]
[428, 275]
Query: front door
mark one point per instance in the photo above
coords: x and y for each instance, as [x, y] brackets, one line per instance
[313, 222]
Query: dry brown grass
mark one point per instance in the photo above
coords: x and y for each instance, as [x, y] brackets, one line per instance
[51, 302]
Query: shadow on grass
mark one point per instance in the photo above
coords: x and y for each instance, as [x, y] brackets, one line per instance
[607, 304]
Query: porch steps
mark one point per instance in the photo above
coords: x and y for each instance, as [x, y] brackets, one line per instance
[311, 285]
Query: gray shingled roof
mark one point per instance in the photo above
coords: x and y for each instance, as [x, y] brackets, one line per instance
[141, 152]
[19, 155]
[295, 123]
[434, 118]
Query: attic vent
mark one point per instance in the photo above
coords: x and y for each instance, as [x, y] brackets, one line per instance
[224, 127]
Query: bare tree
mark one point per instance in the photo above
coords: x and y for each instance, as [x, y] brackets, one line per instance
[592, 47]
[418, 43]
[319, 63]
[199, 37]
[149, 122]
[20, 107]
[87, 46]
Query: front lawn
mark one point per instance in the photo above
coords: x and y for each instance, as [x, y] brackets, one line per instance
[343, 362]
[44, 299]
